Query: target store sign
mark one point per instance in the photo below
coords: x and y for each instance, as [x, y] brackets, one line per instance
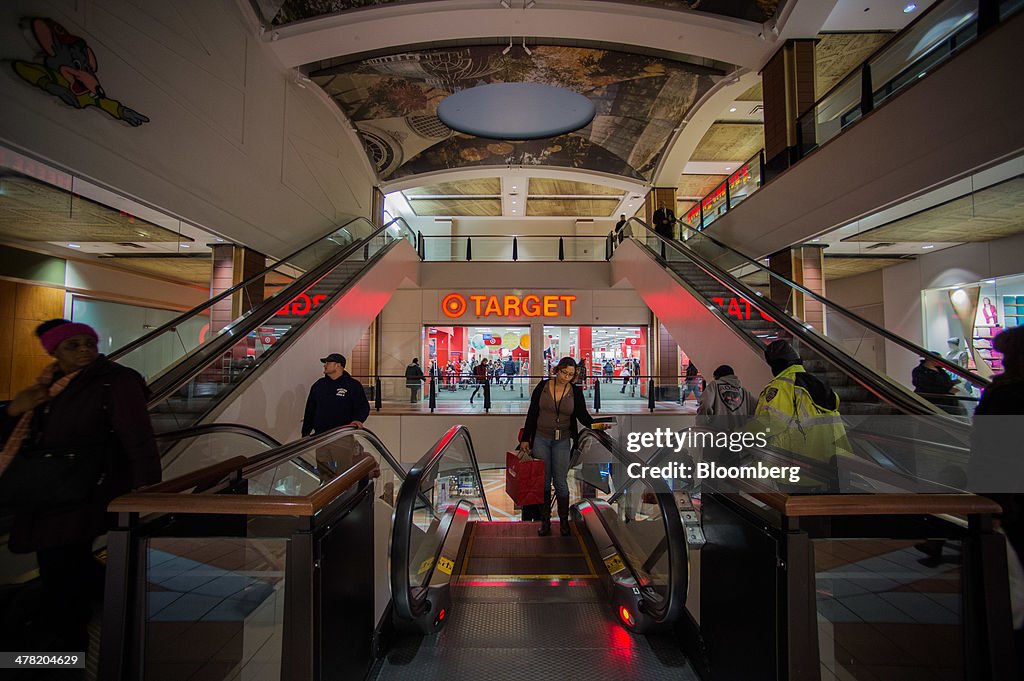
[455, 305]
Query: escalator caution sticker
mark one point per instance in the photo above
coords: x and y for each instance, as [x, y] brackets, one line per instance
[445, 565]
[614, 563]
[425, 565]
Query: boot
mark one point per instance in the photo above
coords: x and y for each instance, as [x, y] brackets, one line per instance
[563, 516]
[545, 518]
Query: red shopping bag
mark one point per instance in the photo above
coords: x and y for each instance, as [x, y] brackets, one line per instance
[524, 480]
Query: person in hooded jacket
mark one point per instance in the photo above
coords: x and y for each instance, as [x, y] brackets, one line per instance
[725, 403]
[81, 403]
[800, 413]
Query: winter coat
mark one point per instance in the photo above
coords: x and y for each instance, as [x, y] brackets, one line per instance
[413, 376]
[102, 409]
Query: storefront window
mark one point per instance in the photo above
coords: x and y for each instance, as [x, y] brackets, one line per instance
[961, 321]
[611, 353]
[451, 353]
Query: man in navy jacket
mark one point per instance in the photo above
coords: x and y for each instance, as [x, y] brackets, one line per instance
[335, 400]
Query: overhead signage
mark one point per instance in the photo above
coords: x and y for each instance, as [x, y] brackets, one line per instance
[455, 305]
[712, 201]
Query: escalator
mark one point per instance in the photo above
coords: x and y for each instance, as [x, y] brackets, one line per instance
[481, 599]
[851, 355]
[193, 367]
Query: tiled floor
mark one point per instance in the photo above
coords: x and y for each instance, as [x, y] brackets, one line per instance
[215, 609]
[883, 615]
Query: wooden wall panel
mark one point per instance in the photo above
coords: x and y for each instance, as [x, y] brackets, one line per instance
[22, 308]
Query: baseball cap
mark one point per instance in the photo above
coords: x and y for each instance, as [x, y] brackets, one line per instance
[334, 357]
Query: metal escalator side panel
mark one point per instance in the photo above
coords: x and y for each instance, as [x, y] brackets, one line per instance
[211, 390]
[883, 388]
[416, 553]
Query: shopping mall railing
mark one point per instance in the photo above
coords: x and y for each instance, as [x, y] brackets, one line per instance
[728, 194]
[442, 492]
[386, 391]
[251, 566]
[491, 247]
[933, 38]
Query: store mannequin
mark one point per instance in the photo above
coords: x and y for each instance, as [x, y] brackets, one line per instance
[959, 356]
[956, 354]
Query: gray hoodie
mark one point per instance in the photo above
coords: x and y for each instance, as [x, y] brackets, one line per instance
[726, 397]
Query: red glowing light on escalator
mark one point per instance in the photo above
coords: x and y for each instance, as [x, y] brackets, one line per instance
[625, 616]
[440, 615]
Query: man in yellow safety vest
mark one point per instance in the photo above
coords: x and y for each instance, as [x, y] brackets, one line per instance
[800, 414]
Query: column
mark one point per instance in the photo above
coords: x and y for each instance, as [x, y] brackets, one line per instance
[537, 344]
[804, 265]
[788, 84]
[233, 264]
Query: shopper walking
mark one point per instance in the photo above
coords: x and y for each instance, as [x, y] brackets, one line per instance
[481, 375]
[556, 407]
[87, 405]
[691, 382]
[414, 379]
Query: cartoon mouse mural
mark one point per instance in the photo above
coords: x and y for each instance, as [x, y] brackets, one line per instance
[69, 72]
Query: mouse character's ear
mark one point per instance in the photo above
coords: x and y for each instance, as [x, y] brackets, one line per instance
[43, 30]
[92, 58]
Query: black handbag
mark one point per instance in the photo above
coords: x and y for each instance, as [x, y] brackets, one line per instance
[52, 478]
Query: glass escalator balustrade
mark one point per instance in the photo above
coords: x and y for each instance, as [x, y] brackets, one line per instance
[719, 275]
[189, 375]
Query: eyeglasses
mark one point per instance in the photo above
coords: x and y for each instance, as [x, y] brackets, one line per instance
[567, 372]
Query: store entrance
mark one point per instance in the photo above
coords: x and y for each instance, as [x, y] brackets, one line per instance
[452, 353]
[614, 355]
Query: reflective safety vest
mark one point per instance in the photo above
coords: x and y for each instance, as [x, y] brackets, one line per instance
[794, 422]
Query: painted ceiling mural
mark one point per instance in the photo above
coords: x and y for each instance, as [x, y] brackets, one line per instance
[393, 100]
[278, 12]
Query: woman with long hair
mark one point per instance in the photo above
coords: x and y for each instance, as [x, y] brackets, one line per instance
[556, 406]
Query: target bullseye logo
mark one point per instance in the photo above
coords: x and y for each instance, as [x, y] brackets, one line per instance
[453, 305]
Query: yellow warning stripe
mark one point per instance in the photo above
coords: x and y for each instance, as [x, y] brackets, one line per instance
[511, 577]
[469, 549]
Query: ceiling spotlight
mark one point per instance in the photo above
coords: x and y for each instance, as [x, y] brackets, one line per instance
[728, 167]
[185, 246]
[910, 8]
[732, 110]
[928, 246]
[73, 246]
[525, 48]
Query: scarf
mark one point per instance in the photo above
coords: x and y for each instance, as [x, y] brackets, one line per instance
[24, 425]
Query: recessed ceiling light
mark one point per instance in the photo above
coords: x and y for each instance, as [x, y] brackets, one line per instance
[928, 246]
[818, 239]
[988, 281]
[185, 246]
[732, 110]
[73, 246]
[728, 167]
[910, 8]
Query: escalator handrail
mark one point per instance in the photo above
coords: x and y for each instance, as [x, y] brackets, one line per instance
[896, 394]
[405, 605]
[188, 314]
[187, 366]
[849, 314]
[213, 428]
[677, 549]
